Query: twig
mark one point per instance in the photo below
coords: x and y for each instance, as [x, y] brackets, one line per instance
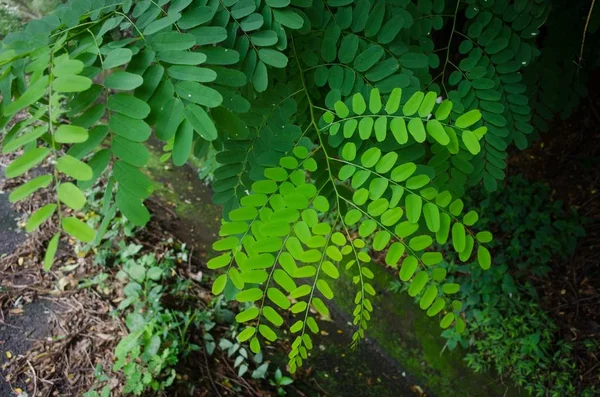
[587, 22]
[246, 384]
[34, 378]
[212, 382]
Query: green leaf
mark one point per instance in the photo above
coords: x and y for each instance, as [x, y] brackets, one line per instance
[370, 157]
[419, 243]
[413, 208]
[74, 168]
[196, 16]
[246, 334]
[252, 22]
[209, 35]
[219, 285]
[417, 129]
[173, 41]
[271, 315]
[29, 97]
[192, 73]
[484, 258]
[24, 139]
[71, 196]
[30, 187]
[133, 129]
[199, 94]
[51, 252]
[288, 18]
[368, 58]
[447, 320]
[273, 57]
[169, 119]
[117, 57]
[484, 237]
[132, 207]
[66, 133]
[471, 142]
[264, 38]
[267, 332]
[437, 131]
[123, 81]
[413, 104]
[468, 119]
[427, 105]
[413, 60]
[128, 105]
[431, 213]
[249, 295]
[182, 57]
[470, 218]
[201, 122]
[428, 297]
[458, 237]
[71, 83]
[393, 102]
[349, 151]
[324, 288]
[76, 228]
[398, 127]
[66, 66]
[443, 111]
[182, 147]
[247, 315]
[418, 283]
[162, 23]
[39, 216]
[26, 162]
[133, 153]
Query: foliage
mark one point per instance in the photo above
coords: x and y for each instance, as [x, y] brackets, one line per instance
[532, 228]
[507, 329]
[319, 110]
[148, 354]
[159, 337]
[279, 381]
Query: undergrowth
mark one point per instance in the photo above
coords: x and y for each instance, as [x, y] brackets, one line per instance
[508, 332]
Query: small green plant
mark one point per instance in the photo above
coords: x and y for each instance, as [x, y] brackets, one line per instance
[280, 381]
[97, 390]
[157, 336]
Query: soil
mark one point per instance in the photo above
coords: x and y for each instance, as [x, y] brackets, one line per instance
[18, 332]
[20, 325]
[10, 234]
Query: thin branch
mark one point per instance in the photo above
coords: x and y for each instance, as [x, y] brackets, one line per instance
[587, 22]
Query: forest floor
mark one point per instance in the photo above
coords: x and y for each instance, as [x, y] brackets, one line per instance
[568, 160]
[53, 335]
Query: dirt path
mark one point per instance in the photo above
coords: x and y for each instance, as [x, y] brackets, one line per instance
[22, 323]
